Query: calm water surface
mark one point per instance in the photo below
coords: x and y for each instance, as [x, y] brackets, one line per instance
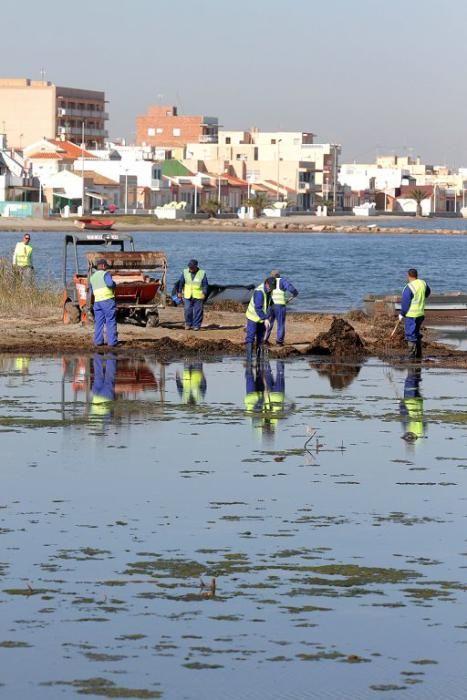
[333, 272]
[339, 549]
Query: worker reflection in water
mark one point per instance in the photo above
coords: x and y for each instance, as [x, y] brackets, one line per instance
[411, 407]
[22, 364]
[103, 386]
[191, 386]
[265, 395]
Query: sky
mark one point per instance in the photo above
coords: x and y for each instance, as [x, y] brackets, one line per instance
[376, 76]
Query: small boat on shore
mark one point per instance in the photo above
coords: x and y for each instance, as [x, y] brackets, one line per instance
[448, 307]
[94, 224]
[239, 293]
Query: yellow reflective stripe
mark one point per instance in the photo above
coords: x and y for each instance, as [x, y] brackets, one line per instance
[193, 287]
[278, 295]
[417, 306]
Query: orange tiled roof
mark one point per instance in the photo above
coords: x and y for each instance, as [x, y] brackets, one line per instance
[44, 154]
[69, 149]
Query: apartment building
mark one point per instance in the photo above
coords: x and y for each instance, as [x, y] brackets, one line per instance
[164, 126]
[34, 109]
[287, 161]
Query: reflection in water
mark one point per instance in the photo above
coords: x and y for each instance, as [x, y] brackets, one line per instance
[265, 395]
[411, 407]
[103, 385]
[106, 383]
[340, 376]
[191, 386]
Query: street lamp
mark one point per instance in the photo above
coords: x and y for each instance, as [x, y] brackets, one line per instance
[82, 169]
[195, 205]
[218, 194]
[126, 191]
[279, 141]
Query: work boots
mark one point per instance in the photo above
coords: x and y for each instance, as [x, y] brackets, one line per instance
[249, 353]
[415, 350]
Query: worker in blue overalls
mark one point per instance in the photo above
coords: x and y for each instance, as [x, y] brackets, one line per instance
[413, 312]
[103, 385]
[279, 304]
[411, 407]
[193, 288]
[257, 315]
[192, 385]
[105, 309]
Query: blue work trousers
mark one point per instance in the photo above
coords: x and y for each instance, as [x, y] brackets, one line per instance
[412, 329]
[278, 313]
[105, 315]
[254, 331]
[194, 312]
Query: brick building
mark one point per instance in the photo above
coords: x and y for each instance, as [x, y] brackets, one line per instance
[164, 126]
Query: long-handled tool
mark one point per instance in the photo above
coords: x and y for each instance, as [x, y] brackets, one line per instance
[395, 328]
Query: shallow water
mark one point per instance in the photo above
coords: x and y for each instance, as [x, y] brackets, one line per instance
[338, 548]
[333, 272]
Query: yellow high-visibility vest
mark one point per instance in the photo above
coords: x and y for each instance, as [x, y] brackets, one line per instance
[192, 379]
[417, 307]
[251, 311]
[415, 413]
[278, 295]
[193, 288]
[23, 255]
[100, 290]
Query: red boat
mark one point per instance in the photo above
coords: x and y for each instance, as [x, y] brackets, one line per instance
[95, 224]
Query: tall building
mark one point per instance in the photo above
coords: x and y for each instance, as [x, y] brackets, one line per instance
[34, 109]
[164, 126]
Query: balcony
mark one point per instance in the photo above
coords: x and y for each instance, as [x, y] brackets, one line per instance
[78, 131]
[82, 113]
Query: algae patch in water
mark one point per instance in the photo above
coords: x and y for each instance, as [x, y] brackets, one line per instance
[105, 688]
[8, 644]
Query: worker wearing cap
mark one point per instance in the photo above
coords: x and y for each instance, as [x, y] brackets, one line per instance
[413, 312]
[105, 310]
[193, 288]
[279, 303]
[22, 257]
[103, 385]
[257, 315]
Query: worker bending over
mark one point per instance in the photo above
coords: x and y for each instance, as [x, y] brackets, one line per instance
[105, 309]
[193, 287]
[279, 303]
[191, 386]
[22, 258]
[413, 312]
[257, 315]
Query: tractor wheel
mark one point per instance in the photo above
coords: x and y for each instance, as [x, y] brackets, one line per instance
[152, 319]
[71, 313]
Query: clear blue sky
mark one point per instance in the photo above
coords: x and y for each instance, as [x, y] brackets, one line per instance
[373, 75]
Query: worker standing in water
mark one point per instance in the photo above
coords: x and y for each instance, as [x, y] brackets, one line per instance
[257, 315]
[412, 311]
[105, 309]
[22, 258]
[279, 304]
[193, 288]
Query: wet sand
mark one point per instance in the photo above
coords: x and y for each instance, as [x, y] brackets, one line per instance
[223, 333]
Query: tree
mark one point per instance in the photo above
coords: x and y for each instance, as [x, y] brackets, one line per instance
[418, 196]
[212, 207]
[258, 201]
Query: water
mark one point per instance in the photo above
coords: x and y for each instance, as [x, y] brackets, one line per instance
[333, 272]
[338, 547]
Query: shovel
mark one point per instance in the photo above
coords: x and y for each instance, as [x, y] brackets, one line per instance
[395, 328]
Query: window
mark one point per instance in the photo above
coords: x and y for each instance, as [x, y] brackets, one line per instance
[273, 142]
[227, 139]
[151, 131]
[176, 131]
[159, 130]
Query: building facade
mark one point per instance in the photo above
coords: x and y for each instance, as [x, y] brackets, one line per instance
[34, 109]
[164, 126]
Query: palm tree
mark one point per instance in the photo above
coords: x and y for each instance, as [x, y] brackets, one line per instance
[418, 196]
[258, 201]
[212, 207]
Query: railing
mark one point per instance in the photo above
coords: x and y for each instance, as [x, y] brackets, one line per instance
[92, 113]
[77, 131]
[208, 139]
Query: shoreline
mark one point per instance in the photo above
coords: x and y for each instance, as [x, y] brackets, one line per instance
[304, 225]
[336, 338]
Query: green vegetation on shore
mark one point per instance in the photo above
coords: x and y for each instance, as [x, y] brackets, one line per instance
[21, 297]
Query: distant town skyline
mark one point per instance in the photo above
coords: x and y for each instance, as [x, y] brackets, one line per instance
[377, 78]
